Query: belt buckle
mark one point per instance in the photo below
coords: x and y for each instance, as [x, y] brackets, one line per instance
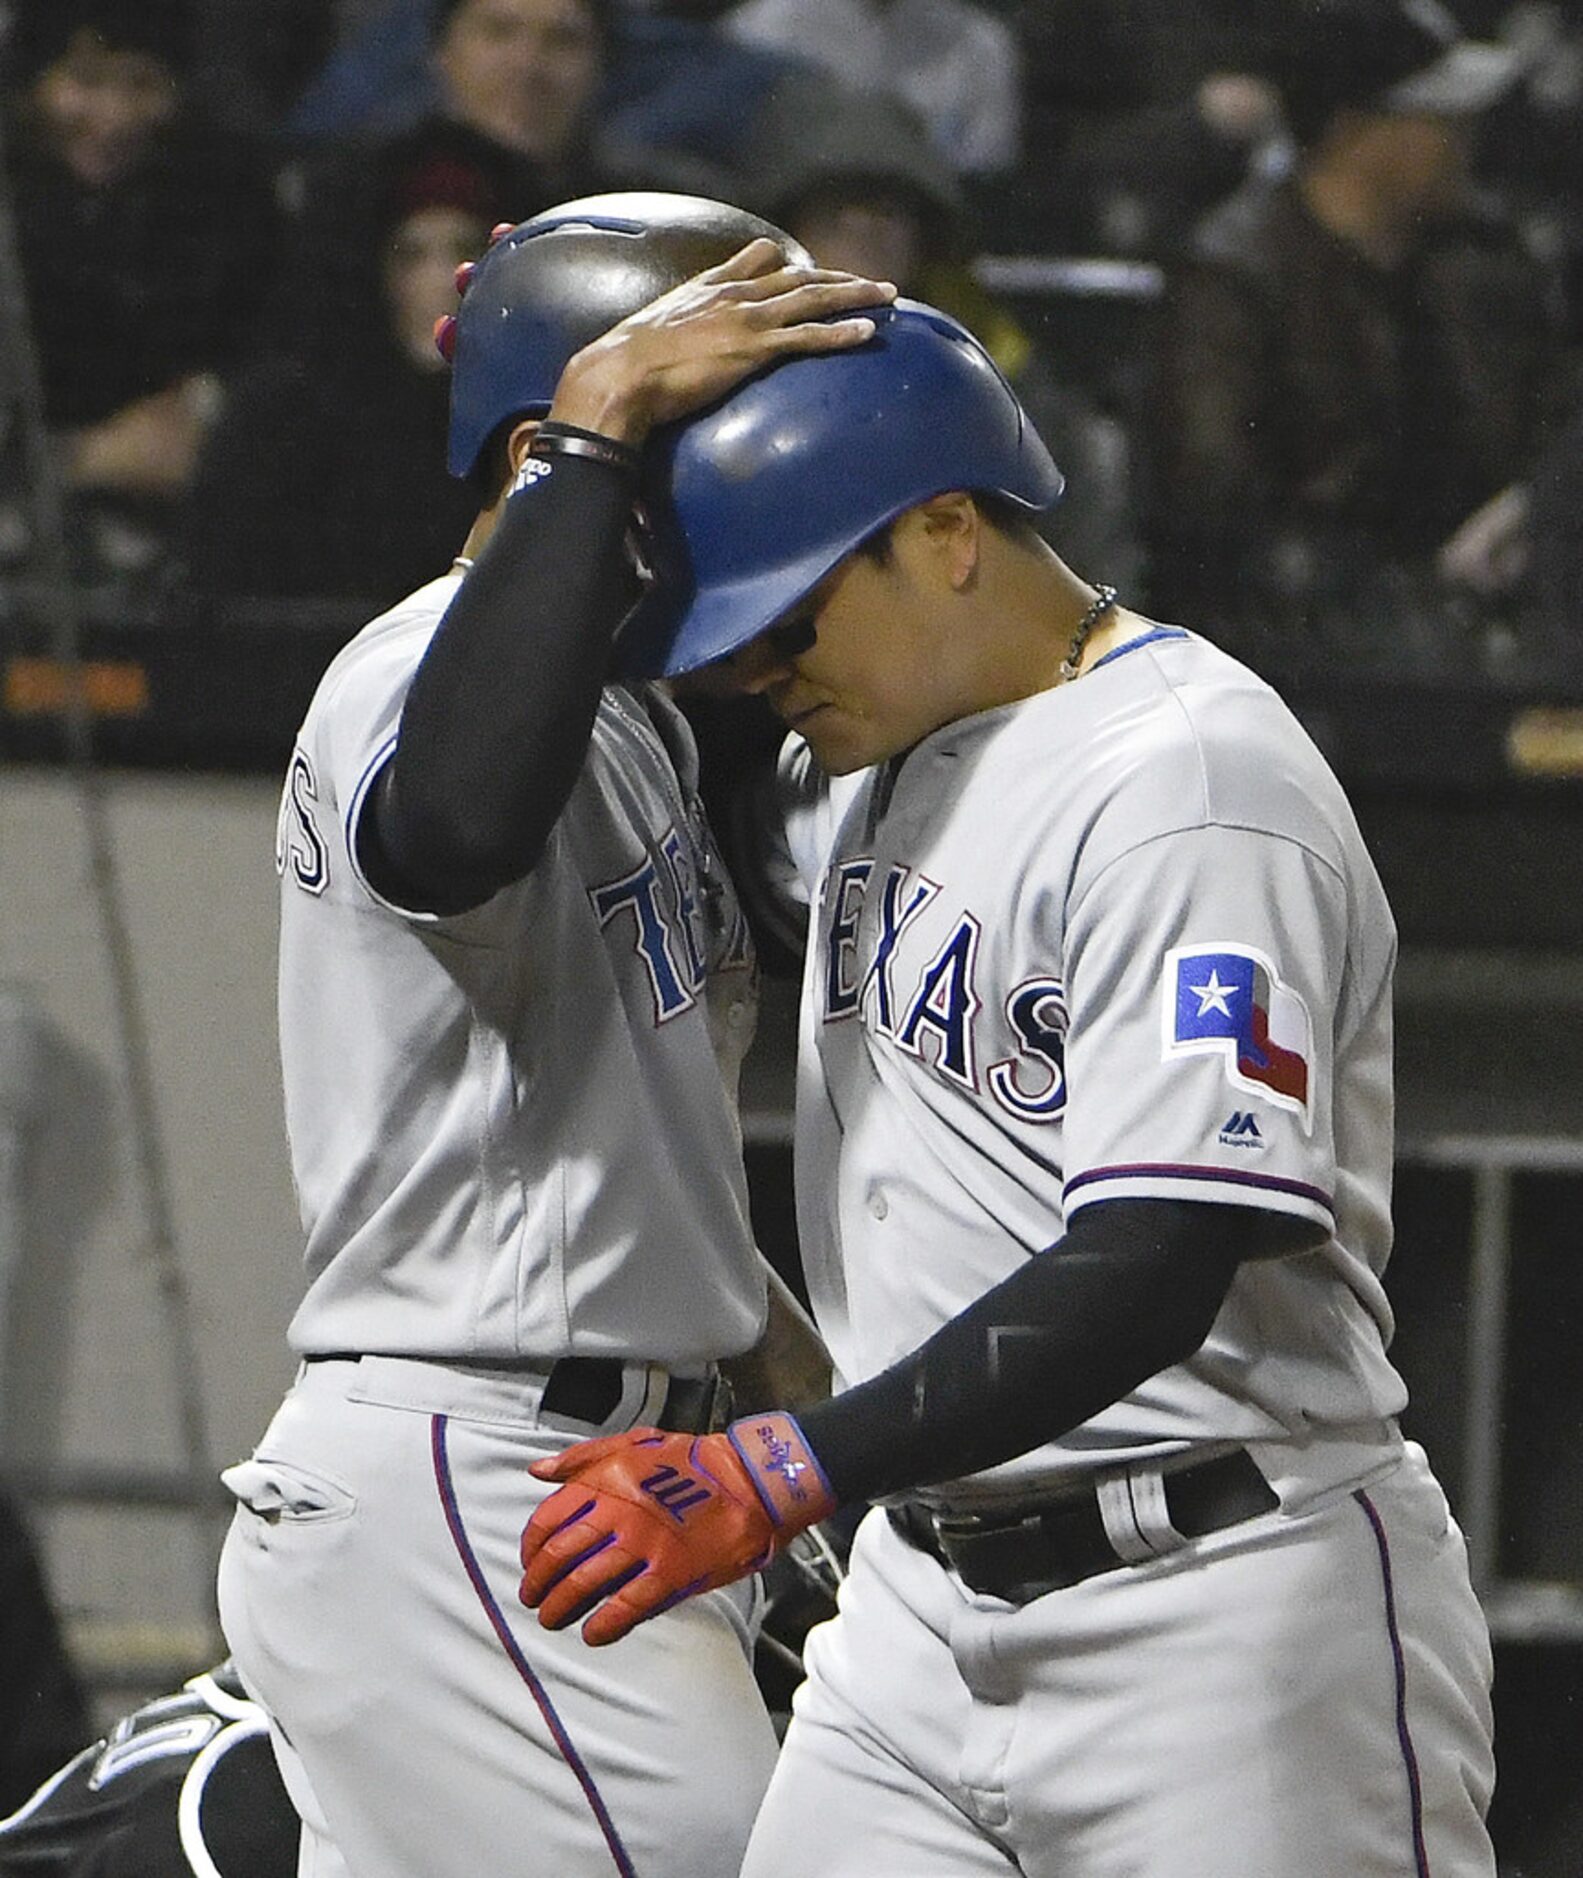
[1022, 1554]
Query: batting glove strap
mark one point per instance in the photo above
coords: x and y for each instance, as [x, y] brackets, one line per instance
[784, 1470]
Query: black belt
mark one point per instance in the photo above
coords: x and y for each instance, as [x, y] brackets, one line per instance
[589, 1389]
[1063, 1541]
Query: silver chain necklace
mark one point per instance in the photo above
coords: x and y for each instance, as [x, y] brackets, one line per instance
[1104, 600]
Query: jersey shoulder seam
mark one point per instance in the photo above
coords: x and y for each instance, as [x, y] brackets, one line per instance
[1202, 824]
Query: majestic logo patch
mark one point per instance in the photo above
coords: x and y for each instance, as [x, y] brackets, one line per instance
[1241, 1130]
[1228, 1000]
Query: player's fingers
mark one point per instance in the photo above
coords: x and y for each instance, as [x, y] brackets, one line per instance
[819, 336]
[629, 1604]
[572, 1461]
[562, 1512]
[577, 1593]
[560, 1554]
[808, 298]
[798, 299]
[810, 290]
[759, 256]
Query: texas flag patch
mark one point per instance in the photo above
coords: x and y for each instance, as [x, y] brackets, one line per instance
[1228, 1000]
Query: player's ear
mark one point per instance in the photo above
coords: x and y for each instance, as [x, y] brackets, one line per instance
[950, 530]
[518, 441]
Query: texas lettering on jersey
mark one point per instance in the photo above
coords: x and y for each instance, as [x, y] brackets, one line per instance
[299, 846]
[673, 913]
[931, 1010]
[1223, 998]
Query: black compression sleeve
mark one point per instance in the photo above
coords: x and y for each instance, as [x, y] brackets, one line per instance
[1132, 1288]
[496, 724]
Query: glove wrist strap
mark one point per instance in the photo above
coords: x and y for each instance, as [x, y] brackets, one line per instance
[784, 1470]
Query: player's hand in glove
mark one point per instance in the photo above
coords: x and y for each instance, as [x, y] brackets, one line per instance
[645, 1519]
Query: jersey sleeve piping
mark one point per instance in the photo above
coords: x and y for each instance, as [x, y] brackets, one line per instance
[1165, 1180]
[354, 816]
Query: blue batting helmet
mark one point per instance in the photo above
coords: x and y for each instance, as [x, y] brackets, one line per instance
[751, 504]
[546, 288]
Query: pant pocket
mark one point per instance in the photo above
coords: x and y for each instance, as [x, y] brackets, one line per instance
[278, 1490]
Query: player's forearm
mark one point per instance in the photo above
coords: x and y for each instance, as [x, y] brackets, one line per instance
[496, 725]
[1133, 1288]
[643, 1519]
[789, 1366]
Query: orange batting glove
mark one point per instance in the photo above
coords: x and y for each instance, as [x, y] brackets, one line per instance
[645, 1519]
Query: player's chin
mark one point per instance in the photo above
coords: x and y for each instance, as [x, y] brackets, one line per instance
[838, 744]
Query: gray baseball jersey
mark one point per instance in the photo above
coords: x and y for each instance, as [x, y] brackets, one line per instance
[514, 1137]
[513, 1131]
[1121, 938]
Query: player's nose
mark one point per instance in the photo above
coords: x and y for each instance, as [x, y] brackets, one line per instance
[756, 666]
[772, 656]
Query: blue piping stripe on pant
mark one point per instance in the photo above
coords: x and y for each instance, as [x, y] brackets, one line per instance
[453, 1519]
[1403, 1732]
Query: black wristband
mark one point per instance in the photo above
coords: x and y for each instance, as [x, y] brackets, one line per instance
[553, 438]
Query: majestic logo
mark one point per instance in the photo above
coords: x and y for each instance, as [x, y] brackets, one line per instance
[1228, 1000]
[1241, 1130]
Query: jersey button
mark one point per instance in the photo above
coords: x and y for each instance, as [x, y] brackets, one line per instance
[878, 1205]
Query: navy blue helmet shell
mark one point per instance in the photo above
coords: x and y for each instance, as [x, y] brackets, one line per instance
[750, 504]
[549, 286]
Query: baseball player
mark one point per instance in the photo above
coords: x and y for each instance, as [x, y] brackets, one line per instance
[514, 989]
[184, 1784]
[1093, 1169]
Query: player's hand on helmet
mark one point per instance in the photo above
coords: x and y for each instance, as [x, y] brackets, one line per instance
[695, 343]
[644, 1519]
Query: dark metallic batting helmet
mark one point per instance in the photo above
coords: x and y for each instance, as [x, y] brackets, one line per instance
[752, 503]
[549, 286]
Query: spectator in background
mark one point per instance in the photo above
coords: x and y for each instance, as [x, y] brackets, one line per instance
[252, 58]
[145, 242]
[394, 63]
[957, 64]
[1521, 556]
[855, 177]
[517, 88]
[1353, 357]
[361, 409]
[1139, 115]
[671, 80]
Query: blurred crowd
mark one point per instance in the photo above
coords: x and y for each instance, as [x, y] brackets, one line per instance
[1295, 292]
